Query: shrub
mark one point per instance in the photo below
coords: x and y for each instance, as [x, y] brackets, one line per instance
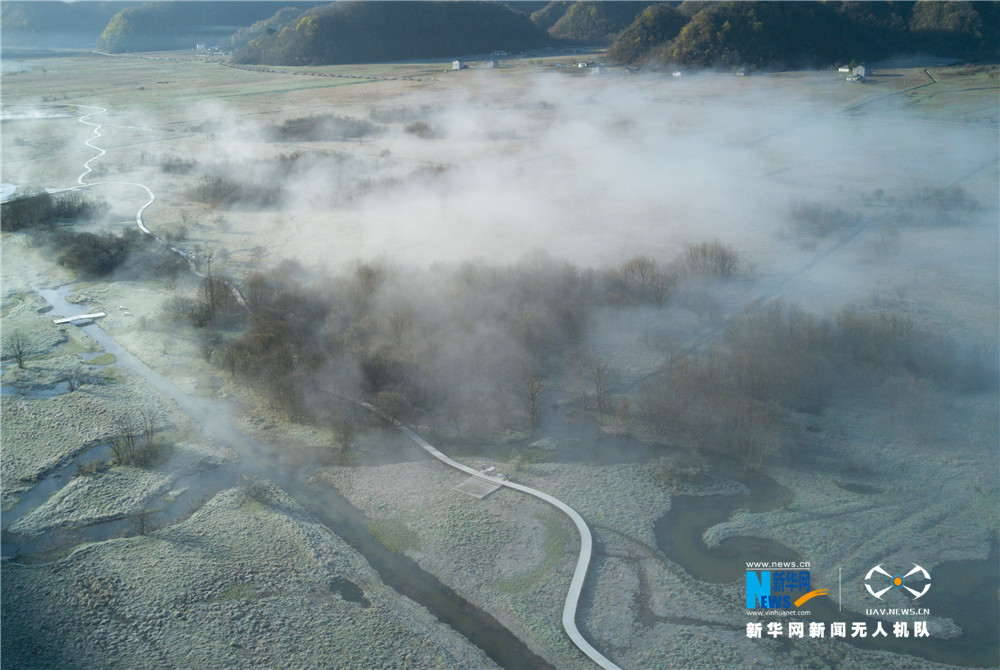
[44, 209]
[711, 258]
[820, 220]
[98, 254]
[325, 127]
[174, 165]
[258, 490]
[226, 192]
[421, 130]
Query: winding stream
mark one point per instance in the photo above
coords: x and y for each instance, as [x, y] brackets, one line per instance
[964, 591]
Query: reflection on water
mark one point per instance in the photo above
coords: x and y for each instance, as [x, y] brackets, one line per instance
[58, 389]
[679, 533]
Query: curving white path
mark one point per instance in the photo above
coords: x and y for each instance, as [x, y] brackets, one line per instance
[87, 169]
[586, 541]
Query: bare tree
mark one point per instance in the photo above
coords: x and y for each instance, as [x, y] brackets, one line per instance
[711, 258]
[207, 343]
[75, 379]
[147, 420]
[210, 288]
[532, 382]
[599, 369]
[344, 431]
[141, 524]
[256, 289]
[231, 355]
[753, 427]
[637, 272]
[400, 323]
[660, 286]
[17, 346]
[124, 445]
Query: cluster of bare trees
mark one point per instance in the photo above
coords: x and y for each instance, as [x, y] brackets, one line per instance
[43, 209]
[134, 440]
[472, 346]
[711, 258]
[779, 360]
[17, 345]
[819, 219]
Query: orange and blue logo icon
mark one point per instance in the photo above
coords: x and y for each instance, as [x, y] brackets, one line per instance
[898, 581]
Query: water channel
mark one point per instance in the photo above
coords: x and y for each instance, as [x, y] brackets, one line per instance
[272, 462]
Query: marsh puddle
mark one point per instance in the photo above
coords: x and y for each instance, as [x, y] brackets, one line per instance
[679, 532]
[58, 389]
[860, 489]
[54, 481]
[193, 490]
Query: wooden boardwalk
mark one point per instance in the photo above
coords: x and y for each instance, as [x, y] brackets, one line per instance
[586, 541]
[79, 317]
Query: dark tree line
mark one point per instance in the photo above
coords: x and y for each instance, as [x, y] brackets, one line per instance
[153, 26]
[365, 32]
[45, 209]
[482, 349]
[100, 254]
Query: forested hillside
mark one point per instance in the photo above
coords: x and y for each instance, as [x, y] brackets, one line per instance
[595, 22]
[56, 24]
[179, 25]
[353, 32]
[774, 34]
[692, 33]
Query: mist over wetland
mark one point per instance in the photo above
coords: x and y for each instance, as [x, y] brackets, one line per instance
[722, 318]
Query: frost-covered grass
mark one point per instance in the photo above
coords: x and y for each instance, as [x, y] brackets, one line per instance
[395, 535]
[225, 588]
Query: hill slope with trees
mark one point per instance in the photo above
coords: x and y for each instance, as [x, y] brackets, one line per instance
[595, 22]
[356, 32]
[56, 24]
[774, 34]
[155, 26]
